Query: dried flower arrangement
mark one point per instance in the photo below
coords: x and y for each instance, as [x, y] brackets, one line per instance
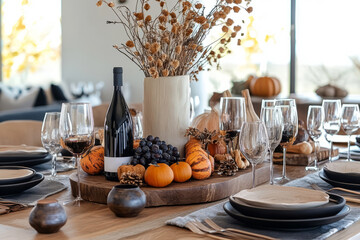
[172, 43]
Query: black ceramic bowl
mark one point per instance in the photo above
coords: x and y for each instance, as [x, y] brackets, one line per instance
[126, 200]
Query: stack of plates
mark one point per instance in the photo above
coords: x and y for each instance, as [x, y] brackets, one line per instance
[286, 208]
[14, 179]
[23, 155]
[345, 174]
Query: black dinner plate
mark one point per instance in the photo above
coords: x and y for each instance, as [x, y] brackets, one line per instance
[18, 179]
[285, 224]
[10, 189]
[334, 183]
[22, 156]
[352, 178]
[27, 162]
[334, 206]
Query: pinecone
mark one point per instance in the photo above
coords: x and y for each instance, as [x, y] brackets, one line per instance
[131, 178]
[227, 168]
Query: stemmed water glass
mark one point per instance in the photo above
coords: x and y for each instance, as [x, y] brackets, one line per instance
[332, 115]
[272, 118]
[350, 121]
[50, 137]
[232, 117]
[77, 133]
[254, 144]
[290, 130]
[267, 103]
[315, 118]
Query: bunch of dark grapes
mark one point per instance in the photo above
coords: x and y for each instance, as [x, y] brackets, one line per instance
[152, 150]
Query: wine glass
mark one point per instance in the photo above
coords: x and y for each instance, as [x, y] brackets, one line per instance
[50, 137]
[267, 103]
[272, 118]
[315, 118]
[254, 144]
[350, 121]
[231, 118]
[290, 130]
[137, 126]
[332, 117]
[77, 133]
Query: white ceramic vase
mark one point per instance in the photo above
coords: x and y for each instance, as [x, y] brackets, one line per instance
[167, 109]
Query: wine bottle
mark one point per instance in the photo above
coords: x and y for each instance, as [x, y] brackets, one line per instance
[118, 131]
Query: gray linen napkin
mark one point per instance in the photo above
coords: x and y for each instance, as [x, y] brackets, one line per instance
[45, 168]
[218, 215]
[29, 197]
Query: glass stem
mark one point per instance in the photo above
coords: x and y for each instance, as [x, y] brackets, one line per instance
[316, 151]
[330, 151]
[284, 163]
[78, 177]
[253, 174]
[271, 168]
[348, 153]
[53, 165]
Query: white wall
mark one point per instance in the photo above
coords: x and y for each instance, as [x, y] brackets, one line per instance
[88, 55]
[87, 52]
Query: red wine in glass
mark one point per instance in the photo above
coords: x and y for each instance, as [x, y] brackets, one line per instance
[78, 145]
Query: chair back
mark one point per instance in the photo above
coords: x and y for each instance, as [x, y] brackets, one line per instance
[17, 132]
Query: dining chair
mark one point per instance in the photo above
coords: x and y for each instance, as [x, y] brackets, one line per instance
[17, 132]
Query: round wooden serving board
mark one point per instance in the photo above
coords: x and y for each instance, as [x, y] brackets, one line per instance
[96, 188]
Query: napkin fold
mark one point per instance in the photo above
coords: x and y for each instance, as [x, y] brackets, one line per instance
[8, 206]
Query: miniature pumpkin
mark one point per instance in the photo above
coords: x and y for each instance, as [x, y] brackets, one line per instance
[200, 165]
[136, 143]
[217, 148]
[195, 149]
[159, 175]
[208, 120]
[137, 169]
[93, 162]
[212, 163]
[265, 86]
[182, 171]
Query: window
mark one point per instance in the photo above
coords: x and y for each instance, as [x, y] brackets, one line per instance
[327, 45]
[30, 41]
[265, 47]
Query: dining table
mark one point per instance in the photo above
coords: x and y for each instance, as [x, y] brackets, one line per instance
[96, 221]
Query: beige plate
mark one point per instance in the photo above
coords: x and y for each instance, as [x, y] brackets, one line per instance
[13, 150]
[283, 197]
[344, 167]
[14, 173]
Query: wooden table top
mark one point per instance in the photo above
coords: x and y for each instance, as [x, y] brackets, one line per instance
[96, 221]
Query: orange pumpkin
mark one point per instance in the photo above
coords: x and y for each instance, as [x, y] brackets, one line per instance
[200, 165]
[265, 86]
[195, 149]
[93, 162]
[159, 175]
[212, 162]
[136, 143]
[217, 148]
[182, 171]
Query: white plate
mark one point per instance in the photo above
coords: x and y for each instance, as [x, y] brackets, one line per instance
[7, 174]
[344, 167]
[15, 150]
[283, 197]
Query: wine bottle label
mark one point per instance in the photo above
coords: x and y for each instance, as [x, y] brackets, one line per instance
[111, 164]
